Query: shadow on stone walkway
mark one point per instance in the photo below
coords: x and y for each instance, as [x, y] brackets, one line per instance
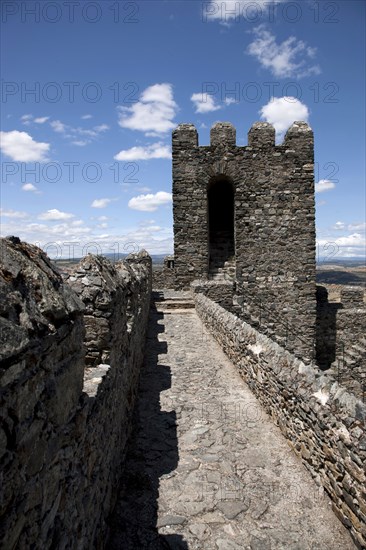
[235, 483]
[152, 453]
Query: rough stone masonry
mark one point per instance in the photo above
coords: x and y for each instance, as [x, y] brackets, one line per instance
[65, 407]
[247, 213]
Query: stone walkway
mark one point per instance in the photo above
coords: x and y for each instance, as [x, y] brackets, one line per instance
[206, 467]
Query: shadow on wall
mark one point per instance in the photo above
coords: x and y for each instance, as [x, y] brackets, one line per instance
[153, 452]
[326, 329]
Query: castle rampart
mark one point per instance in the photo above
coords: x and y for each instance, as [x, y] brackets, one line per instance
[324, 424]
[65, 420]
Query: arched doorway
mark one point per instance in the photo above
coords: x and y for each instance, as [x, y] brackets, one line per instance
[221, 227]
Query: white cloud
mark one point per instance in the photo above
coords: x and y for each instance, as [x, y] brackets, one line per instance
[350, 226]
[30, 187]
[283, 111]
[153, 113]
[91, 132]
[80, 142]
[230, 100]
[356, 239]
[54, 215]
[12, 214]
[21, 147]
[204, 103]
[86, 117]
[324, 185]
[26, 119]
[283, 59]
[357, 226]
[353, 245]
[100, 128]
[58, 126]
[101, 203]
[76, 133]
[154, 228]
[41, 119]
[153, 151]
[33, 232]
[150, 202]
[74, 239]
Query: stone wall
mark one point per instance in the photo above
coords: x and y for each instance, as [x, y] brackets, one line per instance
[274, 217]
[164, 275]
[324, 424]
[341, 337]
[219, 292]
[351, 316]
[65, 407]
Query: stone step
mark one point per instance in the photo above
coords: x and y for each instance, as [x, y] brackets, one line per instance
[177, 304]
[222, 269]
[226, 263]
[173, 304]
[220, 277]
[221, 263]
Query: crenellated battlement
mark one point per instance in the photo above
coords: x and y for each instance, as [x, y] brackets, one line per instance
[223, 134]
[261, 135]
[185, 135]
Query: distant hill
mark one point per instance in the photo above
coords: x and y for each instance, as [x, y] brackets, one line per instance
[342, 271]
[157, 259]
[344, 262]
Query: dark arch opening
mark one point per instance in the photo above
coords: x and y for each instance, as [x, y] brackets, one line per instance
[221, 225]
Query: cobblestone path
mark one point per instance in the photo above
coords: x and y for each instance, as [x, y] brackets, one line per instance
[207, 468]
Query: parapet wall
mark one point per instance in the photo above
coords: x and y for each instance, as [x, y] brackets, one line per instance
[220, 292]
[65, 407]
[323, 422]
[341, 337]
[164, 276]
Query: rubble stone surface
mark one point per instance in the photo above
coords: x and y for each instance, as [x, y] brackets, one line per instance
[207, 469]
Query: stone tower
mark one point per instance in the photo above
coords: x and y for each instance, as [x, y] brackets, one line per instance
[247, 214]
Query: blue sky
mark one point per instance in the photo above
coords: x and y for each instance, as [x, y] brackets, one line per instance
[92, 90]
